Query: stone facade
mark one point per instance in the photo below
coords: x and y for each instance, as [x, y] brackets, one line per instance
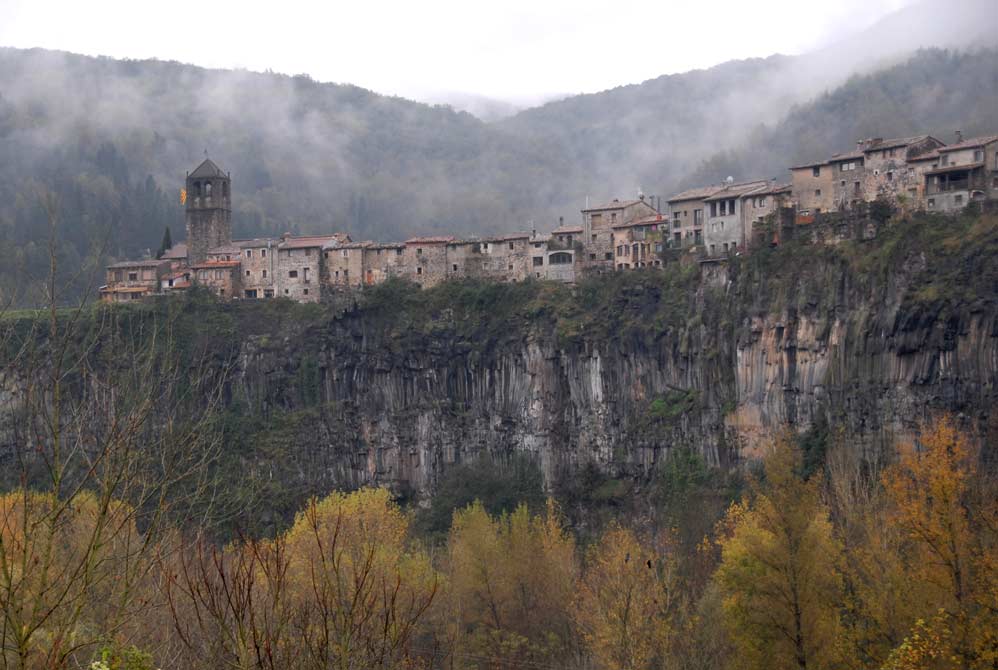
[640, 243]
[208, 210]
[597, 229]
[299, 267]
[259, 267]
[888, 171]
[813, 188]
[962, 173]
[724, 230]
[686, 216]
[219, 277]
[132, 280]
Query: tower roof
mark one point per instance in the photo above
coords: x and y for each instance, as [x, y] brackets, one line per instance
[207, 169]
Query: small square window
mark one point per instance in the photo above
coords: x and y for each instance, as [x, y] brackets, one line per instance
[419, 271]
[293, 274]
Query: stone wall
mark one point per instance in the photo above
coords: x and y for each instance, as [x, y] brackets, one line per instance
[299, 273]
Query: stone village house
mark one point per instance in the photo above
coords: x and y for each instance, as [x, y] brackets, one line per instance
[917, 172]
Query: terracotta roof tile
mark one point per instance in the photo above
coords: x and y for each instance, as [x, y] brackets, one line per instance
[147, 263]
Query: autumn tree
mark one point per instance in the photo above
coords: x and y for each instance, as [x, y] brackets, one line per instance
[947, 515]
[365, 588]
[623, 601]
[109, 441]
[779, 574]
[510, 584]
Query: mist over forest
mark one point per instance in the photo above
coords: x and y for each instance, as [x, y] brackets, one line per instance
[113, 139]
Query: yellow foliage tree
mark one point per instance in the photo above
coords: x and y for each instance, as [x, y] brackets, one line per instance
[779, 574]
[510, 584]
[361, 589]
[622, 602]
[950, 528]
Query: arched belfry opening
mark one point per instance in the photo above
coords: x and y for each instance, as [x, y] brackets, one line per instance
[208, 210]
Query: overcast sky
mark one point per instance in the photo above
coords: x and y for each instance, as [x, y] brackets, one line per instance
[519, 50]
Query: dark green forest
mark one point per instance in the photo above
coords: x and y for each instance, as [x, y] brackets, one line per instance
[110, 140]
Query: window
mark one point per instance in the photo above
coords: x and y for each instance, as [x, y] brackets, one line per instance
[263, 253]
[537, 245]
[133, 276]
[511, 245]
[725, 247]
[890, 176]
[454, 267]
[398, 251]
[293, 274]
[596, 220]
[346, 273]
[560, 258]
[712, 249]
[613, 218]
[538, 261]
[608, 256]
[247, 273]
[675, 216]
[944, 159]
[264, 274]
[419, 252]
[713, 209]
[816, 171]
[592, 257]
[509, 267]
[308, 252]
[286, 291]
[249, 253]
[842, 183]
[594, 237]
[268, 293]
[325, 254]
[817, 193]
[118, 275]
[305, 291]
[979, 156]
[419, 271]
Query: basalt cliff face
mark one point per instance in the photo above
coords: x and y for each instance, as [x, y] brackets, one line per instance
[392, 386]
[622, 369]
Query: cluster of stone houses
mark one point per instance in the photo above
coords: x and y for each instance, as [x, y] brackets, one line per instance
[717, 220]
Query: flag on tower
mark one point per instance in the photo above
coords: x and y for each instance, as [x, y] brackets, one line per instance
[183, 196]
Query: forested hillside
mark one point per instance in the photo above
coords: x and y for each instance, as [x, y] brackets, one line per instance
[112, 140]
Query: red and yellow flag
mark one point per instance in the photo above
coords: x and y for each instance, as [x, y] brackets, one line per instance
[183, 196]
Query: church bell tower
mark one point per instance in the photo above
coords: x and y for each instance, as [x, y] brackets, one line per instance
[209, 210]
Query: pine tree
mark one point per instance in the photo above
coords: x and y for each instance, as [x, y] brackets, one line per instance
[165, 245]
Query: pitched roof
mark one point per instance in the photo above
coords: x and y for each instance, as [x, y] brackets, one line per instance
[851, 155]
[207, 170]
[972, 143]
[224, 249]
[877, 144]
[438, 239]
[695, 193]
[137, 264]
[255, 243]
[807, 166]
[616, 204]
[738, 190]
[773, 189]
[309, 241]
[508, 237]
[567, 229]
[177, 251]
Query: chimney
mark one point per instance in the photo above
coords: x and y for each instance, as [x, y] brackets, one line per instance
[959, 136]
[561, 221]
